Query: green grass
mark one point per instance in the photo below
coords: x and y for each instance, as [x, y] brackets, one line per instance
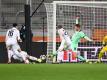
[53, 71]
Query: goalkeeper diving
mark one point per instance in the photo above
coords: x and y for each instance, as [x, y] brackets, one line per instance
[72, 44]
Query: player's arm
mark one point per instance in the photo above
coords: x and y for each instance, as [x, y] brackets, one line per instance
[85, 37]
[18, 37]
[88, 39]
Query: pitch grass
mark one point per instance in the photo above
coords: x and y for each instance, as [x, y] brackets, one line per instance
[53, 71]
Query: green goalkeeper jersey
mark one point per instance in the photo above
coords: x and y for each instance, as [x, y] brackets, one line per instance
[75, 39]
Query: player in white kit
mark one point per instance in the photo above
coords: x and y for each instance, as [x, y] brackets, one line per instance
[27, 57]
[12, 39]
[65, 40]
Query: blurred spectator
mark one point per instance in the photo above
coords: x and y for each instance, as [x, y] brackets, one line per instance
[23, 33]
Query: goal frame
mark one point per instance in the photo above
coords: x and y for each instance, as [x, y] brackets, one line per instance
[93, 4]
[70, 2]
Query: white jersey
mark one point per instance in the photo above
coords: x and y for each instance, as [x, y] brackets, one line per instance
[64, 36]
[12, 35]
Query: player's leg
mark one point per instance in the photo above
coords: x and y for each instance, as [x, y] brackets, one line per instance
[30, 57]
[24, 54]
[60, 52]
[9, 48]
[15, 57]
[74, 51]
[10, 53]
[81, 58]
[60, 56]
[71, 50]
[21, 58]
[35, 59]
[17, 51]
[103, 50]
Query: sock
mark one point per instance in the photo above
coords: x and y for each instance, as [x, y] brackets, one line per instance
[10, 53]
[54, 59]
[54, 56]
[81, 58]
[100, 55]
[74, 54]
[27, 61]
[33, 58]
[59, 56]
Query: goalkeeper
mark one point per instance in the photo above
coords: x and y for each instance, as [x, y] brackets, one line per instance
[104, 49]
[78, 34]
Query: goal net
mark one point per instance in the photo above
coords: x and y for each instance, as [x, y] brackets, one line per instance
[92, 16]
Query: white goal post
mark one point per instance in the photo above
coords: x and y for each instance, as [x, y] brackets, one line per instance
[89, 14]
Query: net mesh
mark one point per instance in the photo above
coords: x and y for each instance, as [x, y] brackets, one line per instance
[91, 16]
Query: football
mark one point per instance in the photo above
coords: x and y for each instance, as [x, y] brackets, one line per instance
[43, 57]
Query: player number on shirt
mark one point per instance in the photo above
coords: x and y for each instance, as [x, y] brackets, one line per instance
[10, 34]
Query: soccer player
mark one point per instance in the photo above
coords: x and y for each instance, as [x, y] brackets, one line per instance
[104, 48]
[27, 57]
[12, 39]
[78, 34]
[65, 40]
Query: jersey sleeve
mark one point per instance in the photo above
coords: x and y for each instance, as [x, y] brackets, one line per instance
[18, 35]
[82, 34]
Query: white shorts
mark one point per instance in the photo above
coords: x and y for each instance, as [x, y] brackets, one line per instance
[14, 44]
[10, 42]
[68, 45]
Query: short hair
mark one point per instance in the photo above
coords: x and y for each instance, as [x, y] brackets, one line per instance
[14, 24]
[77, 25]
[59, 26]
